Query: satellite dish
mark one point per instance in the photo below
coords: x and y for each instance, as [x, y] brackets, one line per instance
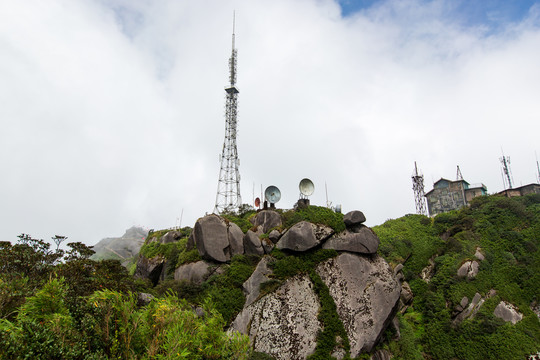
[272, 194]
[306, 187]
[257, 202]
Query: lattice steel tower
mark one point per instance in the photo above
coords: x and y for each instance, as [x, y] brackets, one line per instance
[228, 193]
[418, 188]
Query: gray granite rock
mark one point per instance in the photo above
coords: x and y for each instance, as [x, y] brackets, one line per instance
[196, 272]
[268, 219]
[274, 236]
[354, 217]
[469, 269]
[283, 323]
[363, 241]
[211, 238]
[470, 311]
[366, 294]
[171, 237]
[406, 293]
[151, 269]
[252, 286]
[236, 239]
[267, 245]
[304, 236]
[508, 312]
[252, 243]
[478, 254]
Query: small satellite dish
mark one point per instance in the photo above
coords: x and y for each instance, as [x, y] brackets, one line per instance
[257, 202]
[272, 194]
[306, 187]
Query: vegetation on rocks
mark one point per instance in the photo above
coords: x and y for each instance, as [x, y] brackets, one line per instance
[316, 215]
[507, 232]
[63, 305]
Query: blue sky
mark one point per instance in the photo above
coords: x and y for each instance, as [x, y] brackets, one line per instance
[491, 13]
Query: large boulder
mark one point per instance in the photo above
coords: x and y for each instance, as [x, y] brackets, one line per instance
[508, 312]
[216, 239]
[366, 293]
[468, 269]
[236, 239]
[252, 286]
[268, 219]
[150, 268]
[462, 311]
[252, 243]
[170, 237]
[196, 272]
[304, 236]
[363, 240]
[353, 218]
[283, 323]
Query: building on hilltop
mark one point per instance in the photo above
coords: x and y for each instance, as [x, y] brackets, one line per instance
[450, 195]
[521, 191]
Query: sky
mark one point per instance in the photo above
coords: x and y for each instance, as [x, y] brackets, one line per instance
[112, 111]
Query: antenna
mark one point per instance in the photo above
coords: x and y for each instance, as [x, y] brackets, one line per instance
[506, 172]
[328, 204]
[537, 168]
[272, 194]
[306, 188]
[228, 193]
[418, 188]
[459, 176]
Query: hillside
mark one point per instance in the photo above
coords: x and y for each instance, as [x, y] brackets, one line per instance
[121, 248]
[469, 283]
[447, 319]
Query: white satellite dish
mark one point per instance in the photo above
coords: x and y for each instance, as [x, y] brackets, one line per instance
[272, 194]
[306, 187]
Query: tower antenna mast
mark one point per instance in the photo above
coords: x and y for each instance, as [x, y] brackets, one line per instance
[228, 193]
[537, 168]
[507, 173]
[418, 188]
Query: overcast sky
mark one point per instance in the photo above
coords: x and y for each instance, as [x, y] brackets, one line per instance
[112, 112]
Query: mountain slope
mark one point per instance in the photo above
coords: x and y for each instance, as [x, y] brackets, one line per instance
[487, 252]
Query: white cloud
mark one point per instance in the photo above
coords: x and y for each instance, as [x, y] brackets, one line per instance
[113, 111]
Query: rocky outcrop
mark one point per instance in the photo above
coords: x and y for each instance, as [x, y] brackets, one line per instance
[170, 237]
[216, 239]
[304, 236]
[427, 273]
[268, 219]
[252, 286]
[478, 254]
[469, 269]
[353, 218]
[462, 311]
[283, 323]
[252, 243]
[196, 272]
[366, 294]
[150, 268]
[362, 240]
[508, 312]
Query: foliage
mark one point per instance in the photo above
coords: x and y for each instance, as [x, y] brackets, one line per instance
[241, 218]
[226, 289]
[286, 266]
[315, 214]
[114, 327]
[332, 327]
[507, 230]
